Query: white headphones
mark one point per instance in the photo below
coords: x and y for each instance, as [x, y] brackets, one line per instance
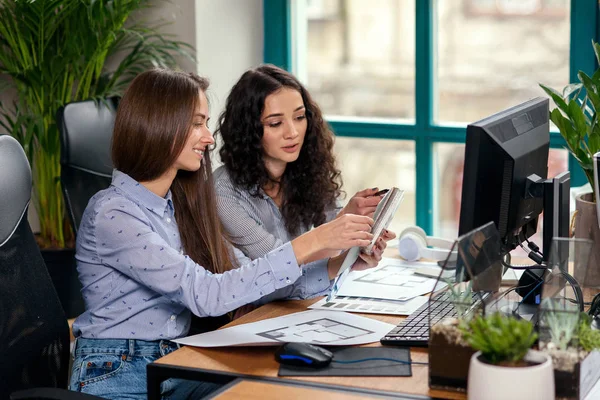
[414, 243]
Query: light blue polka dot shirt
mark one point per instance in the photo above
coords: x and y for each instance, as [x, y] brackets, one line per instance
[138, 283]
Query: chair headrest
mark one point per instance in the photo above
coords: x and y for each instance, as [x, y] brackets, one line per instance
[15, 186]
[86, 129]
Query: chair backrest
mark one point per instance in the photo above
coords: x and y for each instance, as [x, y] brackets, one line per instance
[34, 333]
[86, 167]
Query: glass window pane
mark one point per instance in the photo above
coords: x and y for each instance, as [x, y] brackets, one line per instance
[357, 57]
[448, 172]
[368, 163]
[493, 54]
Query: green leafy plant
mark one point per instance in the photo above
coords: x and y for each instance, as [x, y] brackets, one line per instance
[576, 116]
[500, 338]
[56, 51]
[589, 339]
[562, 322]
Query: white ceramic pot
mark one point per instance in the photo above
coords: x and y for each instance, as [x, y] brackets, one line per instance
[492, 382]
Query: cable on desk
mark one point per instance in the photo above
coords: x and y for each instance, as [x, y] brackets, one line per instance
[527, 295]
[378, 359]
[512, 289]
[532, 266]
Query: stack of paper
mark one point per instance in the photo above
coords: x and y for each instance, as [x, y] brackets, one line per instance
[390, 288]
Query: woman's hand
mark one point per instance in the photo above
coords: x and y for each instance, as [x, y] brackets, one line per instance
[328, 239]
[387, 235]
[347, 231]
[362, 203]
[366, 261]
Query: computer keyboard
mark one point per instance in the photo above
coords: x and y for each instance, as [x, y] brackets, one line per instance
[414, 330]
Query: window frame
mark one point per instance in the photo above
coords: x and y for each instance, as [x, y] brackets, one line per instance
[424, 131]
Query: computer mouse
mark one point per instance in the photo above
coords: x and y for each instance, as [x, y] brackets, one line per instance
[303, 355]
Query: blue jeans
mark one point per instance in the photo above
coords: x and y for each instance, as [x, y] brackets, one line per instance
[116, 369]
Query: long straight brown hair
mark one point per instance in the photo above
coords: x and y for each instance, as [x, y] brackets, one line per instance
[152, 125]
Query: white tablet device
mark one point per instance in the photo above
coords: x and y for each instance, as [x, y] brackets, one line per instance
[384, 214]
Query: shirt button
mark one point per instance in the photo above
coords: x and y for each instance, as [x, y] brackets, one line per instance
[288, 281]
[168, 220]
[173, 317]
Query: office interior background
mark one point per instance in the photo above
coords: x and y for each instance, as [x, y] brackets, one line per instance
[398, 80]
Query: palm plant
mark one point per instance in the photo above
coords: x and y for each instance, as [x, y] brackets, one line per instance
[577, 116]
[56, 51]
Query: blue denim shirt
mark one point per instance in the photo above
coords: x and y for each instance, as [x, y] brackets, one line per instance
[138, 283]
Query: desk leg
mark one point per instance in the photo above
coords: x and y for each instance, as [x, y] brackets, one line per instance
[154, 377]
[157, 373]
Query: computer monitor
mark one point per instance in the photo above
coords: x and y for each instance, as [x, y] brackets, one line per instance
[506, 157]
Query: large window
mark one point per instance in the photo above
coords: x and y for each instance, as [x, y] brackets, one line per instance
[399, 80]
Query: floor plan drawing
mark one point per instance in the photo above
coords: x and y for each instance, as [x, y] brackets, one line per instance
[399, 276]
[326, 327]
[323, 330]
[393, 279]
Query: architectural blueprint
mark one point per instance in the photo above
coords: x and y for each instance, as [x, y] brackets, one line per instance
[393, 279]
[313, 326]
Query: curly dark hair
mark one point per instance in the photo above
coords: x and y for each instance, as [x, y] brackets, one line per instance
[312, 183]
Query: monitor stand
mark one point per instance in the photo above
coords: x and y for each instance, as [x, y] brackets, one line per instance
[557, 198]
[555, 193]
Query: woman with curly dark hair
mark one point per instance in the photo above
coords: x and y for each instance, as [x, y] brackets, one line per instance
[279, 177]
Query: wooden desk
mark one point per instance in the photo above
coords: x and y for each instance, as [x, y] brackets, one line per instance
[225, 364]
[260, 390]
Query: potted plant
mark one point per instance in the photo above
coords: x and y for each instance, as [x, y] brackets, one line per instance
[574, 348]
[504, 367]
[576, 117]
[449, 352]
[55, 52]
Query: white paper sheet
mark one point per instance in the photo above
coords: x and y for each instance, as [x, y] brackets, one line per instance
[331, 328]
[392, 279]
[370, 305]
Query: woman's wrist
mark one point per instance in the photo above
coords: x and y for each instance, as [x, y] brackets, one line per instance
[334, 264]
[341, 212]
[307, 246]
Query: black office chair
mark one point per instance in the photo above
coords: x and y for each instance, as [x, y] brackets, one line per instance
[86, 167]
[34, 333]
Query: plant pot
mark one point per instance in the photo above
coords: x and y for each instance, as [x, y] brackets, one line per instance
[63, 271]
[575, 372]
[449, 357]
[493, 382]
[586, 227]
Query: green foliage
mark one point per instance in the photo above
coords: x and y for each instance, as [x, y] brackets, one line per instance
[589, 339]
[56, 51]
[576, 116]
[562, 322]
[500, 338]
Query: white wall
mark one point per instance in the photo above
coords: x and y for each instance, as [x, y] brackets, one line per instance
[229, 40]
[227, 35]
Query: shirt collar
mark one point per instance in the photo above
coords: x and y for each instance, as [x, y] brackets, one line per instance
[141, 195]
[261, 192]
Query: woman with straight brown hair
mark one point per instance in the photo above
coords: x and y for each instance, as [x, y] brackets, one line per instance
[151, 251]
